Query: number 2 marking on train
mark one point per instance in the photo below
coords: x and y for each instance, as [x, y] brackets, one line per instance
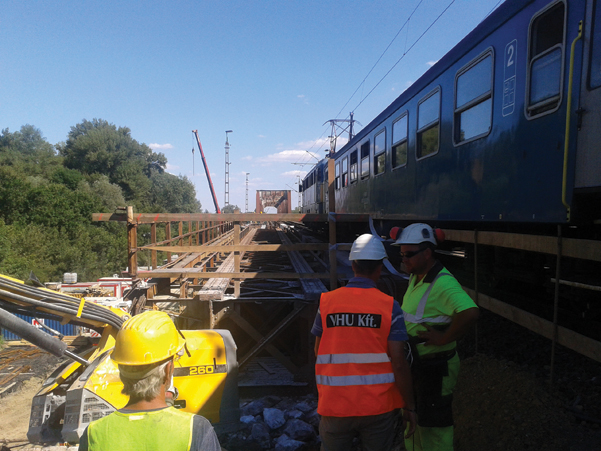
[509, 78]
[510, 51]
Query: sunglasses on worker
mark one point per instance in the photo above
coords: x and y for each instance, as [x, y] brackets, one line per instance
[411, 253]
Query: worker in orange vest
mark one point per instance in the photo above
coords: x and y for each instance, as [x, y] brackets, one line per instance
[362, 376]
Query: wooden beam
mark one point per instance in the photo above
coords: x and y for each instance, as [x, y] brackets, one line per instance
[209, 295]
[237, 258]
[199, 274]
[153, 253]
[571, 247]
[244, 248]
[565, 337]
[132, 244]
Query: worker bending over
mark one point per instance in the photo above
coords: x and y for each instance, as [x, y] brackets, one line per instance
[362, 375]
[145, 349]
[437, 312]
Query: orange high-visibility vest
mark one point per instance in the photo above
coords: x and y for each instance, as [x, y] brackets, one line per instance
[353, 370]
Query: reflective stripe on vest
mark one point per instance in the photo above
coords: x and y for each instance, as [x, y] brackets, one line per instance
[418, 318]
[353, 358]
[345, 381]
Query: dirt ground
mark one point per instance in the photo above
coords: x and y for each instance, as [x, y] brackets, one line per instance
[15, 403]
[499, 406]
[14, 412]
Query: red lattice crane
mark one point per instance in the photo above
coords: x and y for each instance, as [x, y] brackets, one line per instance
[204, 162]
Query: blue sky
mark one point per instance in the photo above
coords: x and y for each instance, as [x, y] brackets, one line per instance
[271, 71]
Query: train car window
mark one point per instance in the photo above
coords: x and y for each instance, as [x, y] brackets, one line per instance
[337, 180]
[365, 160]
[380, 152]
[399, 141]
[354, 173]
[428, 120]
[473, 99]
[595, 69]
[545, 61]
[345, 172]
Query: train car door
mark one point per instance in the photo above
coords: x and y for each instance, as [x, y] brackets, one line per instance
[588, 159]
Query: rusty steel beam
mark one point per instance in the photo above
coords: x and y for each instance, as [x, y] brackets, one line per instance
[258, 337]
[149, 218]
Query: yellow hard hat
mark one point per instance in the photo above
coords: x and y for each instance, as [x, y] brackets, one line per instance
[147, 338]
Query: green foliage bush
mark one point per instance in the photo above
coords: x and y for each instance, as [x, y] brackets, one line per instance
[48, 194]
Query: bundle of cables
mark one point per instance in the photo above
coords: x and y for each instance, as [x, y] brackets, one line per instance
[16, 297]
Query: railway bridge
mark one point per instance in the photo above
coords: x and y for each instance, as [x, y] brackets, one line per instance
[261, 275]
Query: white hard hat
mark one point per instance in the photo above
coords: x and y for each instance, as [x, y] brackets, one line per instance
[367, 247]
[416, 234]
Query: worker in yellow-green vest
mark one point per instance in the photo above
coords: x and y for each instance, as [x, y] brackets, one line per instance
[145, 349]
[437, 312]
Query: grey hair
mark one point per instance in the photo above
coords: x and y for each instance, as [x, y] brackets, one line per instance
[147, 387]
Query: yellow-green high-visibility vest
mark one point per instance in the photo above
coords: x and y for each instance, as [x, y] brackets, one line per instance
[164, 429]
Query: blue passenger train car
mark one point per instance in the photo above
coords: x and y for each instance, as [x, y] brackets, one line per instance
[505, 129]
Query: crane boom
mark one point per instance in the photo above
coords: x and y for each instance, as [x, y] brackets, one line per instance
[204, 162]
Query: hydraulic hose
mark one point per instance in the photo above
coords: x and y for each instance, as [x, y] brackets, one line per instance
[32, 334]
[64, 307]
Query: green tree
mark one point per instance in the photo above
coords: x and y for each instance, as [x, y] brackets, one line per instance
[110, 195]
[28, 152]
[29, 141]
[173, 194]
[230, 208]
[98, 147]
[47, 199]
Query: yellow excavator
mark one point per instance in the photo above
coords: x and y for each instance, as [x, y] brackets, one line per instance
[88, 387]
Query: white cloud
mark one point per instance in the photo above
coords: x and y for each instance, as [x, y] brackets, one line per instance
[155, 146]
[316, 143]
[294, 173]
[431, 63]
[260, 136]
[247, 158]
[288, 156]
[171, 167]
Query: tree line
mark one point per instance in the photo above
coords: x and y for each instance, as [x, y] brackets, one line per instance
[49, 192]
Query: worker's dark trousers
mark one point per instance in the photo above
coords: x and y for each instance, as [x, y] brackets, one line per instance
[376, 432]
[436, 438]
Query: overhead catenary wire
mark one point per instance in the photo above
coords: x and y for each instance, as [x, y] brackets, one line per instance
[383, 53]
[404, 54]
[407, 50]
[395, 64]
[309, 150]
